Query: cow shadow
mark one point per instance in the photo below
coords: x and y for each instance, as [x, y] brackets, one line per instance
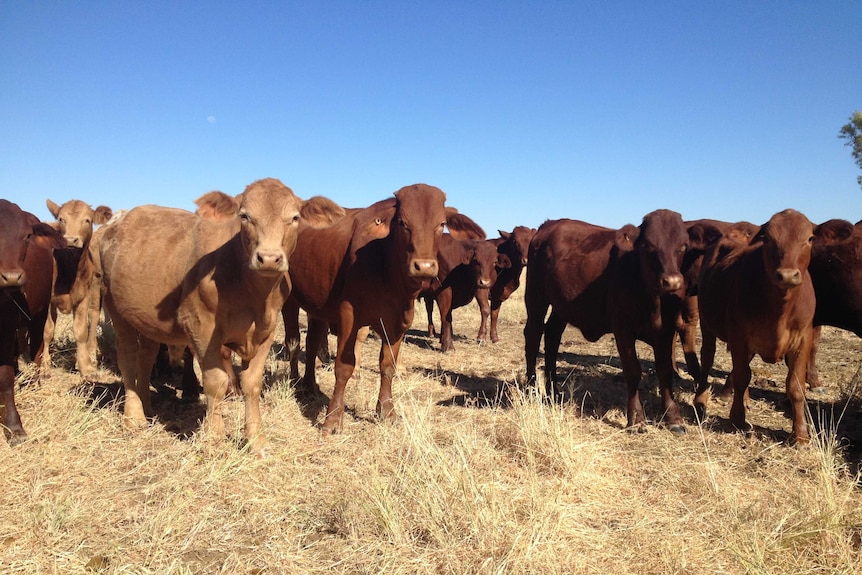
[181, 418]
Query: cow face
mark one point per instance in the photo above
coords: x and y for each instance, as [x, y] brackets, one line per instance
[420, 215]
[18, 231]
[786, 241]
[484, 263]
[517, 244]
[269, 214]
[661, 243]
[75, 220]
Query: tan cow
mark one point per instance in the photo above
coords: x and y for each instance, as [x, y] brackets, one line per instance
[173, 277]
[73, 276]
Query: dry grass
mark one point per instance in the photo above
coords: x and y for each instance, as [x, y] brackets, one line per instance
[477, 477]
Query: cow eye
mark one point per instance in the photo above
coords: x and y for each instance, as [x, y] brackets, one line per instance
[811, 240]
[244, 217]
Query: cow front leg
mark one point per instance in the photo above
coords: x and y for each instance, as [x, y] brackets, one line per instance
[388, 361]
[795, 386]
[215, 382]
[740, 376]
[345, 363]
[11, 420]
[663, 351]
[483, 301]
[251, 382]
[80, 318]
[635, 418]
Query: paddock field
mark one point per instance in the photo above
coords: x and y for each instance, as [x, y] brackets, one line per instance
[478, 476]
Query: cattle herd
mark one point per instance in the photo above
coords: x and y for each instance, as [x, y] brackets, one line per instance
[212, 283]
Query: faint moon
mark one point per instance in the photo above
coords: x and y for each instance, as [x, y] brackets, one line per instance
[211, 119]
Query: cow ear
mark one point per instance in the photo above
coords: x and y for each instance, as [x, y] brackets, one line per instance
[759, 237]
[217, 206]
[321, 211]
[378, 228]
[53, 208]
[503, 261]
[626, 237]
[462, 227]
[834, 232]
[102, 215]
[702, 234]
[45, 236]
[504, 235]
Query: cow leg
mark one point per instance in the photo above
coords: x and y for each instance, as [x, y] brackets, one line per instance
[444, 305]
[707, 358]
[82, 336]
[388, 360]
[11, 420]
[795, 386]
[533, 329]
[554, 329]
[494, 315]
[664, 360]
[191, 385]
[345, 362]
[136, 405]
[94, 311]
[429, 309]
[635, 418]
[688, 335]
[251, 381]
[318, 330]
[36, 343]
[215, 383]
[740, 376]
[290, 316]
[482, 300]
[811, 374]
[48, 336]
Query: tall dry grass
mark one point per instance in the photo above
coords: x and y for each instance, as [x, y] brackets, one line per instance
[478, 476]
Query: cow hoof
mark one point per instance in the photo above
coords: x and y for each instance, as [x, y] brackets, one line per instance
[17, 439]
[639, 428]
[677, 429]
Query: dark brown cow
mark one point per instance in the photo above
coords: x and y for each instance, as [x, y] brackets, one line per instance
[702, 234]
[366, 269]
[760, 300]
[173, 277]
[26, 271]
[626, 282]
[836, 272]
[466, 266]
[74, 276]
[513, 249]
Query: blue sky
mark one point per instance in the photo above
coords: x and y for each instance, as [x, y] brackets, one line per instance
[519, 111]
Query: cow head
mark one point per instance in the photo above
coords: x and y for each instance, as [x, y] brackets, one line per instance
[419, 218]
[483, 263]
[75, 220]
[517, 244]
[785, 242]
[269, 214]
[18, 231]
[660, 242]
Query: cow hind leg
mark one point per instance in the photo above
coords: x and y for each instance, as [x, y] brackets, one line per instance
[136, 405]
[554, 329]
[707, 358]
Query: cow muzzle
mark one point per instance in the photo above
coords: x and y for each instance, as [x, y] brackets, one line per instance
[12, 278]
[269, 262]
[422, 268]
[671, 283]
[483, 282]
[74, 241]
[788, 278]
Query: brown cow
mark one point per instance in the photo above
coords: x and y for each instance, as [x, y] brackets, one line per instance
[702, 234]
[74, 276]
[760, 300]
[466, 267]
[626, 282]
[366, 269]
[26, 268]
[836, 272]
[513, 249]
[173, 277]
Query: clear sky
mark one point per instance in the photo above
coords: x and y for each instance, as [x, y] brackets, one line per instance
[520, 111]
